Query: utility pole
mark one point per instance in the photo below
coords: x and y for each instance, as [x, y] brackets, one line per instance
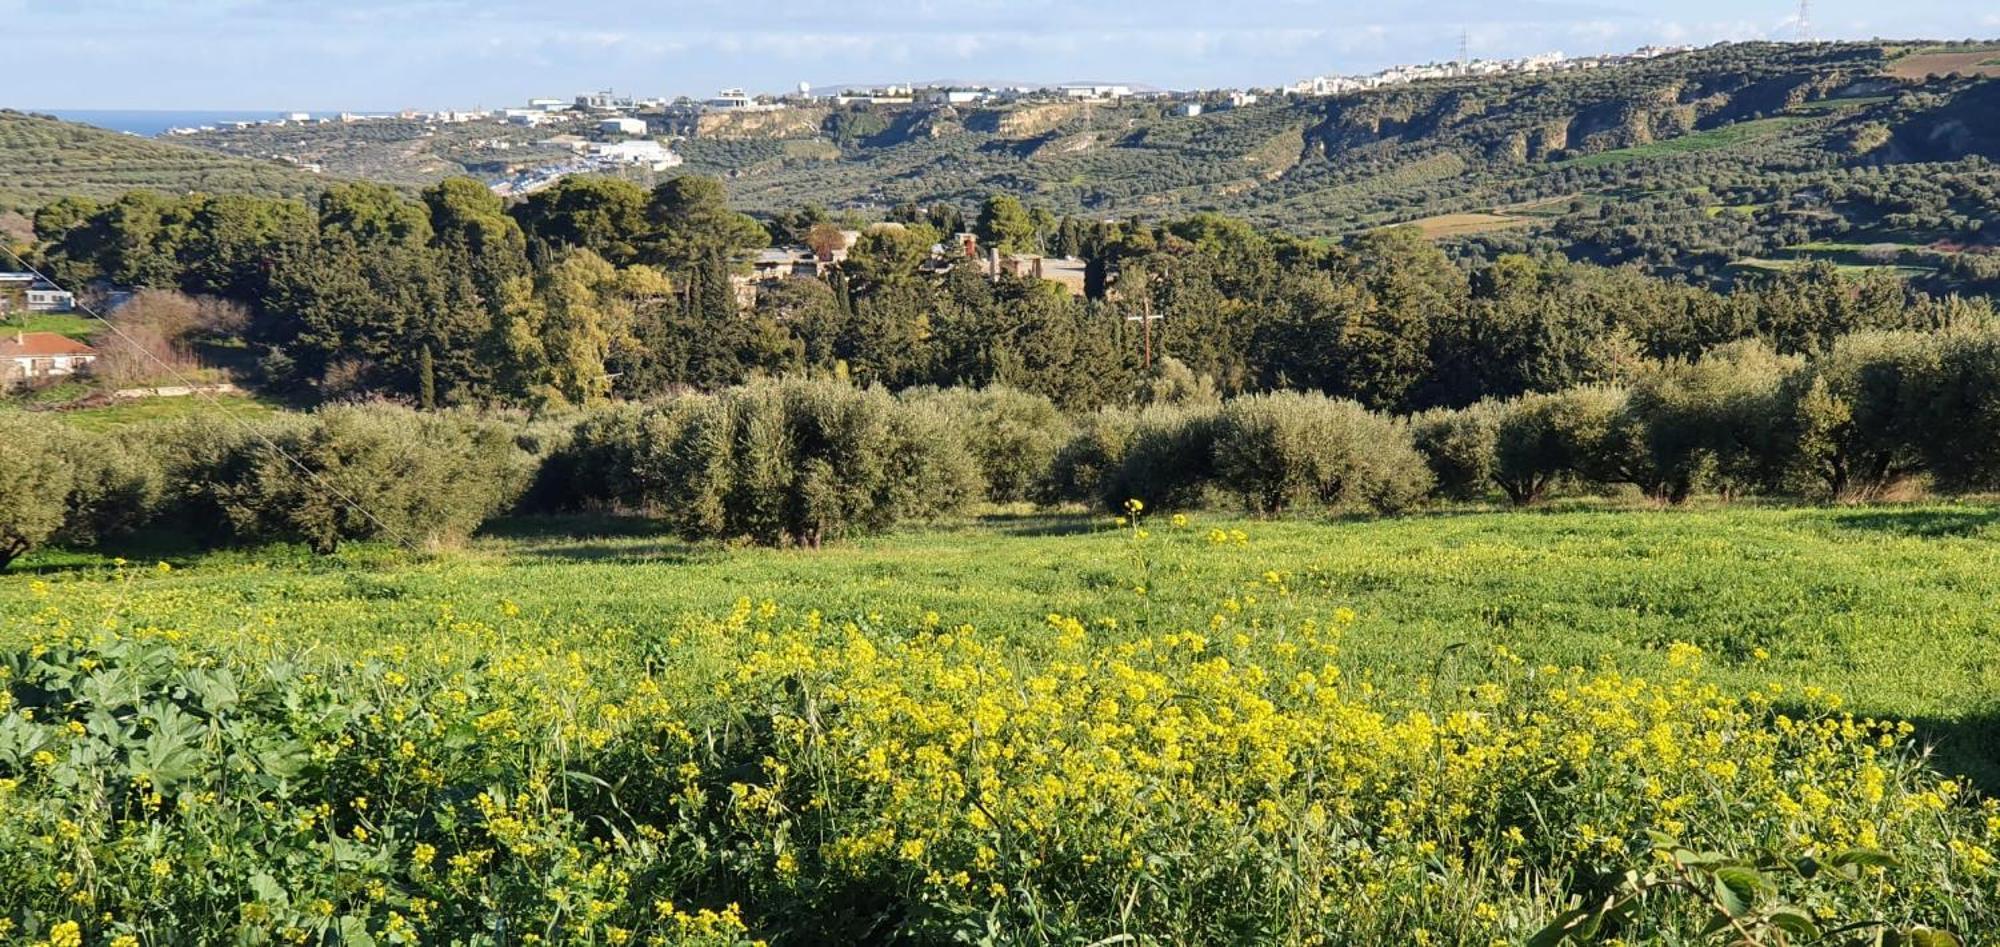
[1465, 46]
[1146, 329]
[1805, 21]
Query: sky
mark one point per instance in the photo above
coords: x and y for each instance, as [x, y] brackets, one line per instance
[319, 55]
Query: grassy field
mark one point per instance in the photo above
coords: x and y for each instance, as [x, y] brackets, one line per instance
[74, 325]
[1713, 140]
[1460, 225]
[1013, 729]
[116, 414]
[1891, 607]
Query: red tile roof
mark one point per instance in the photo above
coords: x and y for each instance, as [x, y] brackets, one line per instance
[41, 345]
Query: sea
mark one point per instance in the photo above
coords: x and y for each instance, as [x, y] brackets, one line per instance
[151, 123]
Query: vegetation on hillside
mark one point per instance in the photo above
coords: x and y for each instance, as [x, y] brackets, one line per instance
[597, 289]
[43, 159]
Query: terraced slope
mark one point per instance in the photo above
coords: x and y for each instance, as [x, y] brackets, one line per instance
[42, 159]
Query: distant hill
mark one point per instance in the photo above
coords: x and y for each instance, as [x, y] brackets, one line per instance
[1735, 158]
[1756, 155]
[42, 158]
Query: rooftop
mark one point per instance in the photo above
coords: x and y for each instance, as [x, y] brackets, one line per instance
[41, 345]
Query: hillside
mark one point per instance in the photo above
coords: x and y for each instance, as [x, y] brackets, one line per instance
[1732, 159]
[1697, 162]
[42, 159]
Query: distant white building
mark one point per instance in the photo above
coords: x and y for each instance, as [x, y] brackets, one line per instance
[1096, 91]
[649, 154]
[622, 126]
[1189, 109]
[729, 99]
[547, 105]
[1238, 100]
[954, 96]
[605, 101]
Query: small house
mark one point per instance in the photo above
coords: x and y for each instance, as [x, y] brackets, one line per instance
[27, 291]
[37, 356]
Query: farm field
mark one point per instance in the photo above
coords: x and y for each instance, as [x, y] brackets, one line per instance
[1983, 61]
[1459, 225]
[1889, 606]
[1694, 142]
[629, 739]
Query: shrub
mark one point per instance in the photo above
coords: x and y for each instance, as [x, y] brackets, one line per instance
[1960, 417]
[370, 472]
[35, 484]
[116, 487]
[1713, 421]
[201, 459]
[595, 465]
[1084, 466]
[1284, 450]
[1014, 435]
[1544, 440]
[780, 463]
[1169, 461]
[1852, 421]
[1460, 447]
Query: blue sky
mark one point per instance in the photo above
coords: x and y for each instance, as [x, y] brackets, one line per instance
[380, 54]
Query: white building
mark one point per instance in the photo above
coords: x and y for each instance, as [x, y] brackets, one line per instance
[954, 96]
[30, 292]
[623, 126]
[1096, 91]
[548, 105]
[649, 154]
[32, 356]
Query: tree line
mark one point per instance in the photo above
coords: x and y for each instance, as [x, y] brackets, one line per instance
[801, 462]
[597, 289]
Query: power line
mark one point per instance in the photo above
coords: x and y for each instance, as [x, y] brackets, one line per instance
[200, 392]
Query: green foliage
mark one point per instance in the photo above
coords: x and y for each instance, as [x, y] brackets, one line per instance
[1014, 436]
[1168, 462]
[1853, 417]
[366, 472]
[1005, 225]
[35, 483]
[603, 215]
[783, 463]
[1543, 441]
[1461, 447]
[116, 488]
[1085, 468]
[1284, 451]
[1714, 422]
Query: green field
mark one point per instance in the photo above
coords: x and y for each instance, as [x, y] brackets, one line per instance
[73, 325]
[1892, 607]
[1718, 139]
[1012, 729]
[116, 414]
